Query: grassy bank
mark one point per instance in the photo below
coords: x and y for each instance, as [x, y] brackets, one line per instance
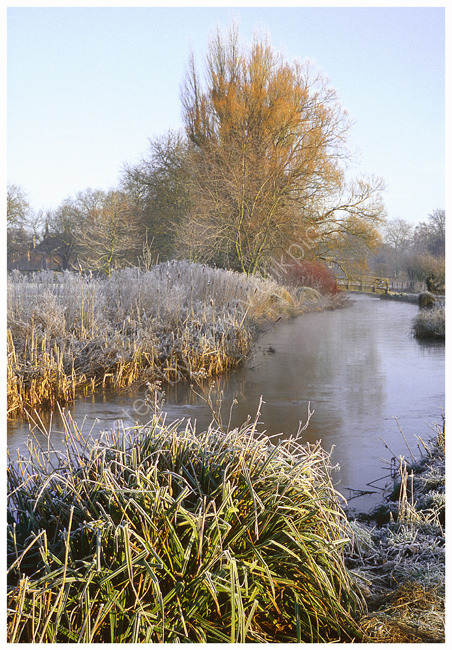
[430, 324]
[398, 552]
[163, 534]
[71, 333]
[401, 296]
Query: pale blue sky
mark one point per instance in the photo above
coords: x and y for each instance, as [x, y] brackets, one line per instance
[87, 87]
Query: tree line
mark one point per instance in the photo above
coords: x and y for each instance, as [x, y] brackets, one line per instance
[258, 177]
[413, 253]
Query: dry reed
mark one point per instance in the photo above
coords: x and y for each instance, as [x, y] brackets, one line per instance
[70, 333]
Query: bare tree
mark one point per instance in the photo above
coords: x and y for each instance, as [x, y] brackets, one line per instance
[398, 237]
[430, 237]
[18, 218]
[18, 209]
[61, 226]
[108, 234]
[398, 233]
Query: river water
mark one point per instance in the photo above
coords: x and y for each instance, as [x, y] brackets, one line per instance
[359, 369]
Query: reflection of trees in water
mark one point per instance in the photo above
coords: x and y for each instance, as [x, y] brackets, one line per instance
[329, 359]
[363, 380]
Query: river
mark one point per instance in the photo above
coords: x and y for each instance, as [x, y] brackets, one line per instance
[359, 369]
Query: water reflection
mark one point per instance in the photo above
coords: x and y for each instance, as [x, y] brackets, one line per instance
[358, 368]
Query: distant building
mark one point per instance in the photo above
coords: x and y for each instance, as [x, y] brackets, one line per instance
[44, 256]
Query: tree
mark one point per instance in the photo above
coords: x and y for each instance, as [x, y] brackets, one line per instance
[107, 233]
[346, 225]
[18, 218]
[430, 237]
[398, 236]
[58, 236]
[428, 268]
[18, 209]
[158, 189]
[67, 223]
[61, 225]
[267, 158]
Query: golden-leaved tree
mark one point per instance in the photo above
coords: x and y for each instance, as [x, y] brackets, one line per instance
[267, 161]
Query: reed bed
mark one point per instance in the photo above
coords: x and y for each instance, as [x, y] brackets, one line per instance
[70, 333]
[163, 534]
[430, 323]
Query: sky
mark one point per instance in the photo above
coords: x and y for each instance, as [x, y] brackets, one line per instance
[87, 87]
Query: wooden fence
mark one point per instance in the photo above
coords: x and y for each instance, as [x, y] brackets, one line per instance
[364, 283]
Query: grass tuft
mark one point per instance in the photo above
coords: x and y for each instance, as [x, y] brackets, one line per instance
[430, 323]
[164, 534]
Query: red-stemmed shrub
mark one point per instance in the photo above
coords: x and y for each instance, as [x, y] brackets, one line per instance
[309, 274]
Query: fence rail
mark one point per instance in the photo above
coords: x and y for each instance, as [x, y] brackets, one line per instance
[366, 284]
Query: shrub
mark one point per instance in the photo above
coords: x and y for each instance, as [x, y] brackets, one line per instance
[424, 266]
[310, 274]
[164, 534]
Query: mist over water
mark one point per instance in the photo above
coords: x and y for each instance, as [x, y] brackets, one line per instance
[359, 369]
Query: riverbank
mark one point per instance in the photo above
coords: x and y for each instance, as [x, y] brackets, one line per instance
[398, 552]
[70, 334]
[409, 297]
[164, 534]
[429, 323]
[401, 296]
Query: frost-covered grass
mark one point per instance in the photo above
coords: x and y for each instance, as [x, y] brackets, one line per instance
[178, 320]
[164, 534]
[399, 553]
[430, 323]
